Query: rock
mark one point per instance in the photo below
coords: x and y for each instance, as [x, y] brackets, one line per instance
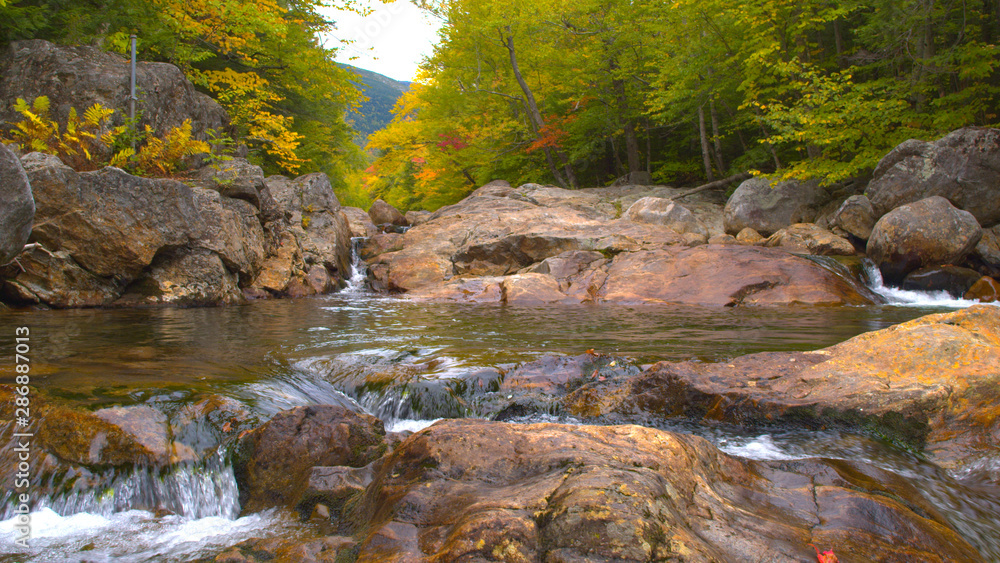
[415, 218]
[188, 279]
[276, 460]
[55, 279]
[766, 208]
[739, 276]
[986, 290]
[658, 211]
[360, 223]
[384, 214]
[986, 256]
[204, 425]
[473, 490]
[279, 269]
[930, 232]
[856, 216]
[750, 237]
[115, 437]
[79, 77]
[956, 281]
[810, 239]
[232, 230]
[331, 549]
[568, 264]
[530, 289]
[960, 167]
[723, 239]
[931, 383]
[110, 222]
[463, 290]
[311, 193]
[17, 206]
[381, 243]
[238, 179]
[333, 487]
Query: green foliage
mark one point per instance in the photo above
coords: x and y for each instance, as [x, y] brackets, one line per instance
[798, 89]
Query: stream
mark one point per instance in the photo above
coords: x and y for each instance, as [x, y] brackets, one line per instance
[275, 355]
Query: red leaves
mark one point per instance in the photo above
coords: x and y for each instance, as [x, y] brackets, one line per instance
[455, 142]
[825, 557]
[552, 134]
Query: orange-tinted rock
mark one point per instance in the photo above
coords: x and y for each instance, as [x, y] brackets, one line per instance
[725, 276]
[933, 382]
[749, 236]
[811, 239]
[986, 290]
[276, 459]
[469, 490]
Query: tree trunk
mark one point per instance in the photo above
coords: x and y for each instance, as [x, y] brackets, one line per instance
[716, 138]
[705, 156]
[536, 116]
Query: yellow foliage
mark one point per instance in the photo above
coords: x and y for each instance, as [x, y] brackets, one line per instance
[77, 144]
[162, 156]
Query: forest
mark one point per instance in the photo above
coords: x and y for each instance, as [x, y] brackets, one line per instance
[580, 93]
[573, 94]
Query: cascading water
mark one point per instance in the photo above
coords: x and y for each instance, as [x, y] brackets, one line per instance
[907, 298]
[359, 270]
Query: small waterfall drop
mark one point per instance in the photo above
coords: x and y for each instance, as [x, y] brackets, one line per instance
[359, 270]
[908, 298]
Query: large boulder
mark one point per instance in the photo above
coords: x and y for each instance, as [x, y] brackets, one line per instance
[725, 276]
[856, 216]
[78, 77]
[962, 167]
[930, 232]
[810, 239]
[17, 206]
[659, 211]
[275, 461]
[473, 490]
[767, 207]
[237, 178]
[986, 256]
[932, 383]
[382, 213]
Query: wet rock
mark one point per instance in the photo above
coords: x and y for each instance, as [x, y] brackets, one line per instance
[930, 232]
[117, 436]
[332, 549]
[750, 237]
[658, 211]
[960, 167]
[956, 281]
[204, 425]
[333, 487]
[192, 279]
[477, 490]
[18, 208]
[276, 460]
[359, 222]
[81, 76]
[384, 214]
[766, 207]
[986, 290]
[738, 276]
[856, 216]
[462, 290]
[931, 383]
[810, 239]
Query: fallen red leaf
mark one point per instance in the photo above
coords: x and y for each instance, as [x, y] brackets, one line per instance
[825, 557]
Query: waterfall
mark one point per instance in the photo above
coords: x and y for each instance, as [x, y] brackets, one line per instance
[359, 270]
[907, 298]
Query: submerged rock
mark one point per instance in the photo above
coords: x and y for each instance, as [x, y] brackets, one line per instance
[276, 460]
[476, 490]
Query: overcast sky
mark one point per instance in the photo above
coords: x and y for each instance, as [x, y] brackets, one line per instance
[391, 41]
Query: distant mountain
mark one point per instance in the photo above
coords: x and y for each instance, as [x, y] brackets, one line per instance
[382, 93]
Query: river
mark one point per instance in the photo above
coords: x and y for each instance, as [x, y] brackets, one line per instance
[274, 355]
